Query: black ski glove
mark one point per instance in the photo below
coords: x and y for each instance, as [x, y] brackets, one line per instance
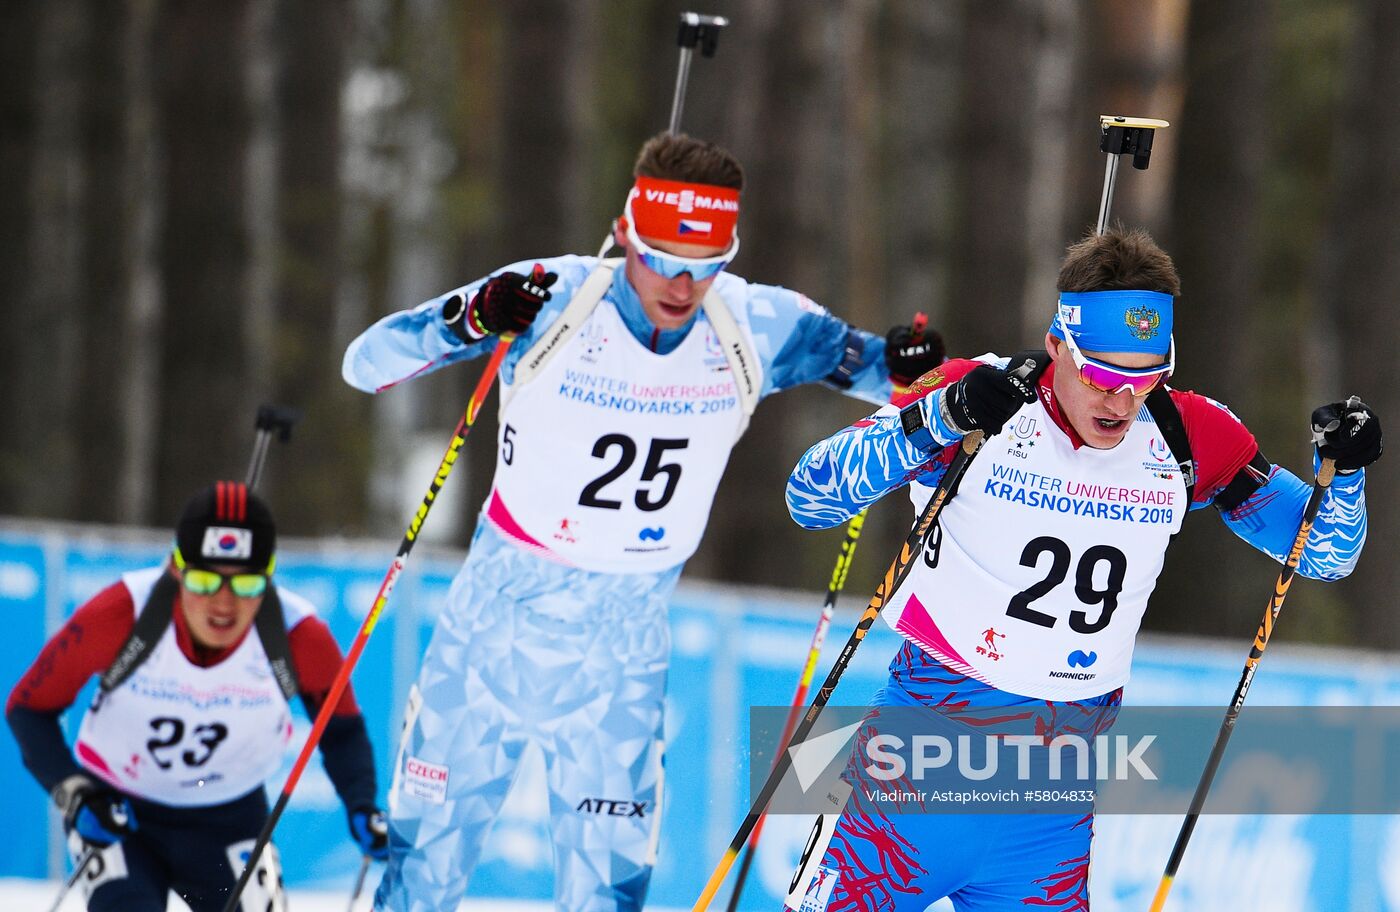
[506, 303]
[985, 399]
[912, 351]
[100, 815]
[1347, 432]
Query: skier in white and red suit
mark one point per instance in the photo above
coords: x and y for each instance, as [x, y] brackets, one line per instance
[199, 658]
[627, 387]
[1026, 602]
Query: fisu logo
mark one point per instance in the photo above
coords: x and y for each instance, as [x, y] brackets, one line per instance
[1025, 427]
[593, 341]
[715, 360]
[712, 346]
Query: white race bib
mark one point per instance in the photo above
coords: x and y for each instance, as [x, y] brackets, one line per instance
[1037, 574]
[610, 456]
[182, 735]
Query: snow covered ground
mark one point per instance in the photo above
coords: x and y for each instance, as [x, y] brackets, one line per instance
[18, 895]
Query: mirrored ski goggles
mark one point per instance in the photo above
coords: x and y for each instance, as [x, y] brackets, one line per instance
[1111, 379]
[670, 265]
[202, 581]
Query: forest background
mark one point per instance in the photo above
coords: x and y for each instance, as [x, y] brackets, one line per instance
[204, 202]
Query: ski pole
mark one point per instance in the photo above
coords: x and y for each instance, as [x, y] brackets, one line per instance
[833, 589]
[1256, 652]
[359, 883]
[695, 29]
[1123, 136]
[342, 677]
[271, 419]
[78, 870]
[889, 584]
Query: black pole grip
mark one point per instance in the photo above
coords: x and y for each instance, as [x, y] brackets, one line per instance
[278, 418]
[702, 31]
[1125, 140]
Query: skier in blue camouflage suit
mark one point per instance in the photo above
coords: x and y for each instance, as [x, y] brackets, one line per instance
[614, 431]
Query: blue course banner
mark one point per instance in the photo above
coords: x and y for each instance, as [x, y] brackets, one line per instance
[732, 650]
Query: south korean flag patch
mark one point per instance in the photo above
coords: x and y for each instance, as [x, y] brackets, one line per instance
[227, 543]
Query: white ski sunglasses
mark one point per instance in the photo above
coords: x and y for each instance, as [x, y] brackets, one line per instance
[670, 265]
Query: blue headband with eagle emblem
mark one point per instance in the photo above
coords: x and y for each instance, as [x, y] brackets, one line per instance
[1116, 321]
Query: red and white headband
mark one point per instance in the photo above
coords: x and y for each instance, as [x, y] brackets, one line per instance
[683, 212]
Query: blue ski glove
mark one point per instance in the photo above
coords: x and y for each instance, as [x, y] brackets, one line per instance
[370, 831]
[99, 815]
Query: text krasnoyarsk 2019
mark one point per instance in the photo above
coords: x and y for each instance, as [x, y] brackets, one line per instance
[1058, 758]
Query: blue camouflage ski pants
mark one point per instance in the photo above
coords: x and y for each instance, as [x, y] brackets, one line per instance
[531, 651]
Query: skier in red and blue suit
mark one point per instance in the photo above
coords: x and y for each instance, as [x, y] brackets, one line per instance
[1028, 598]
[164, 781]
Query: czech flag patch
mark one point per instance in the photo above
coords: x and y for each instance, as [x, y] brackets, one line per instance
[695, 226]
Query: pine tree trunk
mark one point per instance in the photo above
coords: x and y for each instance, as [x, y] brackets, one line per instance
[143, 307]
[104, 272]
[1359, 291]
[19, 115]
[46, 399]
[1215, 241]
[205, 406]
[316, 489]
[801, 161]
[988, 285]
